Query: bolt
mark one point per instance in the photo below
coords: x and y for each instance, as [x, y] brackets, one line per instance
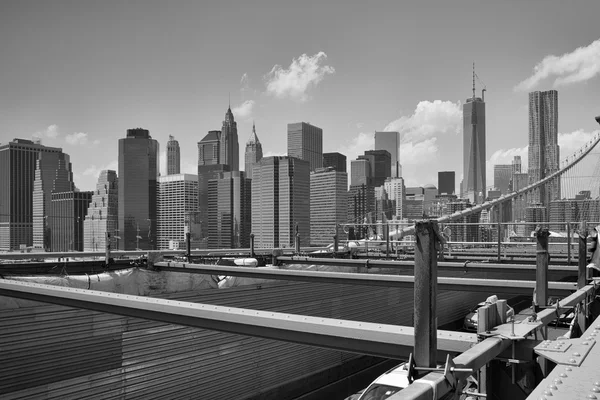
[576, 354]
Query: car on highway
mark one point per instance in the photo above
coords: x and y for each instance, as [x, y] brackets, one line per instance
[396, 379]
[470, 321]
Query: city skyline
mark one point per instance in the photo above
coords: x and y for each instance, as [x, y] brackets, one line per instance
[71, 98]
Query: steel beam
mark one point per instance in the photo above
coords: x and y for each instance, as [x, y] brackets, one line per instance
[379, 340]
[442, 265]
[551, 313]
[497, 286]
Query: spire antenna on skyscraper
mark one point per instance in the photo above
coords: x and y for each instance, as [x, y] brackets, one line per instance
[473, 79]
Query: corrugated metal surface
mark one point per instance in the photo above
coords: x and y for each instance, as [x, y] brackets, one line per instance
[53, 352]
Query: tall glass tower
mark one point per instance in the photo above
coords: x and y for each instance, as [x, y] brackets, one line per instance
[544, 152]
[305, 142]
[474, 148]
[138, 172]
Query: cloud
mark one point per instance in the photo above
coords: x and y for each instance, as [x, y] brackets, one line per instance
[429, 119]
[360, 125]
[418, 153]
[244, 110]
[571, 142]
[77, 138]
[51, 132]
[293, 82]
[357, 146]
[580, 65]
[89, 177]
[274, 154]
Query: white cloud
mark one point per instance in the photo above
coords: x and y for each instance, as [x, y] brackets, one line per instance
[429, 119]
[244, 110]
[293, 82]
[89, 177]
[50, 132]
[274, 154]
[418, 153]
[578, 66]
[360, 125]
[571, 142]
[244, 80]
[77, 138]
[357, 146]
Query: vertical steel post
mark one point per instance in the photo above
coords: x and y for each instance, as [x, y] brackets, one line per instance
[582, 274]
[499, 228]
[336, 239]
[541, 271]
[582, 256]
[188, 245]
[107, 249]
[425, 293]
[297, 240]
[387, 241]
[568, 243]
[252, 245]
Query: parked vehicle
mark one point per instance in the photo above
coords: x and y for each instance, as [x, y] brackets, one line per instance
[470, 322]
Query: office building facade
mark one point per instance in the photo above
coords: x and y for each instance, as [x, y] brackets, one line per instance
[52, 174]
[305, 141]
[502, 176]
[380, 165]
[328, 202]
[390, 141]
[280, 202]
[361, 208]
[229, 211]
[66, 224]
[103, 213]
[360, 172]
[177, 206]
[516, 164]
[138, 190]
[544, 151]
[173, 156]
[396, 192]
[446, 182]
[17, 176]
[253, 152]
[209, 149]
[336, 161]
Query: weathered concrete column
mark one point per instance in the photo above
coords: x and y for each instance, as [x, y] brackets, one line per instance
[252, 245]
[541, 271]
[425, 294]
[107, 249]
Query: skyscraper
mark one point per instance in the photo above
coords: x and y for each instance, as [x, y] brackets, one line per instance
[17, 175]
[516, 164]
[328, 202]
[102, 213]
[52, 174]
[335, 160]
[177, 205]
[474, 147]
[173, 156]
[253, 153]
[446, 182]
[138, 172]
[397, 193]
[390, 141]
[209, 167]
[544, 152]
[502, 176]
[305, 142]
[279, 201]
[381, 166]
[229, 211]
[68, 215]
[360, 172]
[230, 148]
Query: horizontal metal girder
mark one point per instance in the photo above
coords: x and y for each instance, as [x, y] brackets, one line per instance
[379, 340]
[442, 265]
[496, 286]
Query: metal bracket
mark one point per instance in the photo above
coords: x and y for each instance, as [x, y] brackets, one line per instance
[566, 352]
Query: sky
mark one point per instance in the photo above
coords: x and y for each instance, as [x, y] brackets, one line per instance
[78, 74]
